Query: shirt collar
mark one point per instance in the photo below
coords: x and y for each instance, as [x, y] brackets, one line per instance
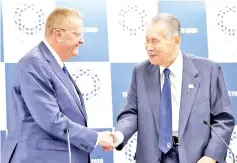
[56, 56]
[176, 67]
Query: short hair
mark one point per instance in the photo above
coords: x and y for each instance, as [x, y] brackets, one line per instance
[170, 21]
[58, 17]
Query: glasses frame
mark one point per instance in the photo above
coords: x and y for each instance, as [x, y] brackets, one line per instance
[79, 35]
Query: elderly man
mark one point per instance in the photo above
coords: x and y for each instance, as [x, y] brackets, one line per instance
[170, 96]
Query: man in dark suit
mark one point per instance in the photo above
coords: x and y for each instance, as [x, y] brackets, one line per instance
[170, 96]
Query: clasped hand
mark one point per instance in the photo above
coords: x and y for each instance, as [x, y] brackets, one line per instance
[106, 140]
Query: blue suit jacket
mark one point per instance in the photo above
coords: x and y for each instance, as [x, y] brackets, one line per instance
[208, 100]
[43, 104]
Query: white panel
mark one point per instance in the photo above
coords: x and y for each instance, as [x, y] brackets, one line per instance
[128, 152]
[222, 30]
[127, 22]
[23, 26]
[94, 81]
[233, 147]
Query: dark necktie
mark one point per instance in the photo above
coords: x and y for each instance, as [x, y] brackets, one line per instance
[67, 73]
[165, 115]
[65, 70]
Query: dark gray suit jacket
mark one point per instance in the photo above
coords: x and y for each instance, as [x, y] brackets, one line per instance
[208, 100]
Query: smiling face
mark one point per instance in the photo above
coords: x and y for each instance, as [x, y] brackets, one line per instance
[64, 32]
[71, 38]
[161, 48]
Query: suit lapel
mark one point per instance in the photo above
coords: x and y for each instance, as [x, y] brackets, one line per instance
[188, 94]
[61, 75]
[80, 96]
[152, 82]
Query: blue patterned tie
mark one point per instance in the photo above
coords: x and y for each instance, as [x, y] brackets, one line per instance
[165, 115]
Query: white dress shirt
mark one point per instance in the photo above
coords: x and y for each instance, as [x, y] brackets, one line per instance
[56, 56]
[176, 72]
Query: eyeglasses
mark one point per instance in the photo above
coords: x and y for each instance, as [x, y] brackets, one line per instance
[79, 35]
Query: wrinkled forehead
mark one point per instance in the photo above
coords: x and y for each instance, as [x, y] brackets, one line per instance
[156, 29]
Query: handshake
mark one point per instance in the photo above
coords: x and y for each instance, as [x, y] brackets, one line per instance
[109, 140]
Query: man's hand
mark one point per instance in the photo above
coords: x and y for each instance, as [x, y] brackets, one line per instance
[105, 140]
[206, 159]
[117, 139]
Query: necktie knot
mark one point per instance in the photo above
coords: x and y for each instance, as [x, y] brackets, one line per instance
[64, 69]
[166, 72]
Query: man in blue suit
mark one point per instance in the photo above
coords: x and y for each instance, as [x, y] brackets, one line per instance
[45, 101]
[170, 96]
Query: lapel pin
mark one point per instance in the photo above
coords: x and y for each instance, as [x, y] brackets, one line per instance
[190, 87]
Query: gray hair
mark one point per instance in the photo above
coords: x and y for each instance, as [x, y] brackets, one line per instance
[171, 22]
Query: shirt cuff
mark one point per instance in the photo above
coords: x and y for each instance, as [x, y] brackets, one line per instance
[97, 140]
[118, 138]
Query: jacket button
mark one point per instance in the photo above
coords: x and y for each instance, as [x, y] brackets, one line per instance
[158, 159]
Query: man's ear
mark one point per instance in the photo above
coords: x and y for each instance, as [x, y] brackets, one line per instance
[58, 35]
[177, 40]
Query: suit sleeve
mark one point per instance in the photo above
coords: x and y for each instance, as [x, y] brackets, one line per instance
[39, 97]
[221, 117]
[127, 119]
